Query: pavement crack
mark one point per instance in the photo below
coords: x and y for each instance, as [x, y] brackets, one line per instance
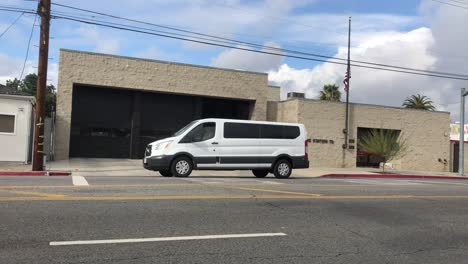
[274, 205]
[426, 250]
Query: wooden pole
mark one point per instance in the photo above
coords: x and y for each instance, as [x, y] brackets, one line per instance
[38, 153]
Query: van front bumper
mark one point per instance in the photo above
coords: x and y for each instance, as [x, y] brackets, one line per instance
[157, 163]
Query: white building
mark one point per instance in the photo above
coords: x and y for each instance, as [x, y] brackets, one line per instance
[15, 127]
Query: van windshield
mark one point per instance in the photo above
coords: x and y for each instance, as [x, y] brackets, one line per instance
[182, 130]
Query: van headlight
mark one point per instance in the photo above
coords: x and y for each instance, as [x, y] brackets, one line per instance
[162, 145]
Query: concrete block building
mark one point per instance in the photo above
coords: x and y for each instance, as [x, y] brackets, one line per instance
[425, 132]
[113, 106]
[16, 119]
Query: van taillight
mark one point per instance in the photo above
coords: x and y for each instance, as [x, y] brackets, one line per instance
[306, 148]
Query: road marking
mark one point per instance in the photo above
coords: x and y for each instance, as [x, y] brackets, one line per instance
[123, 185]
[270, 191]
[160, 239]
[79, 181]
[96, 185]
[209, 197]
[383, 182]
[40, 194]
[269, 182]
[439, 182]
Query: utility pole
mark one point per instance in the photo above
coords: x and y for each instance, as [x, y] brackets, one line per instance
[43, 9]
[461, 130]
[347, 84]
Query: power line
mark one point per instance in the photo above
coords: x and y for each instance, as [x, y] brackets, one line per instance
[231, 41]
[459, 1]
[450, 4]
[27, 49]
[14, 22]
[18, 9]
[258, 51]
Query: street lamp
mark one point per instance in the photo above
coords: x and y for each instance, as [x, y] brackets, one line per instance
[461, 143]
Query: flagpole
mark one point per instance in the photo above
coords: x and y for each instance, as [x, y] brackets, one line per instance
[348, 76]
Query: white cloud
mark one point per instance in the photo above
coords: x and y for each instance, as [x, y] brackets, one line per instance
[438, 48]
[246, 60]
[409, 49]
[10, 68]
[103, 42]
[156, 53]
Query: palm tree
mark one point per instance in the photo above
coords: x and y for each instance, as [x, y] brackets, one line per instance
[385, 143]
[419, 102]
[330, 92]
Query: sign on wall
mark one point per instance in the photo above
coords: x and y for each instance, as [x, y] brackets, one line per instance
[455, 134]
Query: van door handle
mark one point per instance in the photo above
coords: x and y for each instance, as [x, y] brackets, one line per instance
[214, 143]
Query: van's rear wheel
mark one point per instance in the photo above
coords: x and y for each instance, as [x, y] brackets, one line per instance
[260, 173]
[166, 173]
[181, 167]
[282, 169]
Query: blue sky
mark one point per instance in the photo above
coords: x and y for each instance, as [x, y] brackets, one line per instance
[260, 14]
[412, 33]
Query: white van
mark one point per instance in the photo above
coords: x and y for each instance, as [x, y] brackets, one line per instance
[228, 144]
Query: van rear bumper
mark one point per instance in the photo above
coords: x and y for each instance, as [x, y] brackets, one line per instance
[157, 163]
[300, 162]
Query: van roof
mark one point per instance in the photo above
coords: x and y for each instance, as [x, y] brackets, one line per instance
[248, 121]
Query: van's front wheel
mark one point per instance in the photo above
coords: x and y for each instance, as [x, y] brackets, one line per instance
[282, 169]
[181, 167]
[260, 173]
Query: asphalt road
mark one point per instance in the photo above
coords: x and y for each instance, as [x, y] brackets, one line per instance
[299, 220]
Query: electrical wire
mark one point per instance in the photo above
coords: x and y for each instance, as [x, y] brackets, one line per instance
[250, 43]
[230, 41]
[18, 9]
[28, 47]
[12, 24]
[458, 1]
[257, 51]
[450, 4]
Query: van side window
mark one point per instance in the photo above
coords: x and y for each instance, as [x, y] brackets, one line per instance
[279, 132]
[241, 130]
[244, 130]
[200, 133]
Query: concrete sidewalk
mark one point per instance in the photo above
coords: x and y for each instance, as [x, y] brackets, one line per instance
[128, 167]
[14, 166]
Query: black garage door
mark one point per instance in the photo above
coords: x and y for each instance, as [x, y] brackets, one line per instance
[118, 123]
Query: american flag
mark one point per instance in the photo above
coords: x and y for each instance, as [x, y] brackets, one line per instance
[346, 81]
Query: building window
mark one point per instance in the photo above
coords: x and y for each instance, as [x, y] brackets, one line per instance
[7, 124]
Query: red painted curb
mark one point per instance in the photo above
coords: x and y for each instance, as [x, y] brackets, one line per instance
[393, 176]
[34, 173]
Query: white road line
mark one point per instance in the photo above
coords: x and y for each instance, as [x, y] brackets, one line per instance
[159, 239]
[269, 182]
[79, 181]
[383, 182]
[439, 182]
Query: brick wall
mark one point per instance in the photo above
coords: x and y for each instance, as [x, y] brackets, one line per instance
[150, 75]
[426, 132]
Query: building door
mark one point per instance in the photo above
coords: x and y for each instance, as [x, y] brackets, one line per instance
[119, 123]
[100, 123]
[456, 155]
